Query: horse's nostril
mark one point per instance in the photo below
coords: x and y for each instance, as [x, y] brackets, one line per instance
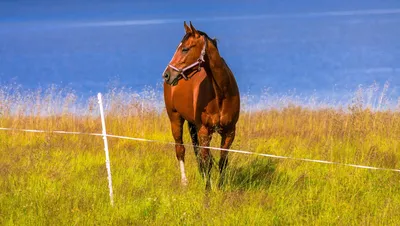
[166, 76]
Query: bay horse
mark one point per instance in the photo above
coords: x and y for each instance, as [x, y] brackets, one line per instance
[200, 88]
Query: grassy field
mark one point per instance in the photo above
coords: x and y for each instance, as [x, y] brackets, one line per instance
[53, 179]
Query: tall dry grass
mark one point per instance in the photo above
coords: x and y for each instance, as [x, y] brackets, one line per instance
[61, 179]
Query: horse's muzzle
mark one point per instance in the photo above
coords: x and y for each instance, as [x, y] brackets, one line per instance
[166, 76]
[171, 78]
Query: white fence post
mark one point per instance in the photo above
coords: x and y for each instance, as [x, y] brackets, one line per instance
[103, 124]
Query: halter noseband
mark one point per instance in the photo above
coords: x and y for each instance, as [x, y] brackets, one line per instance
[197, 63]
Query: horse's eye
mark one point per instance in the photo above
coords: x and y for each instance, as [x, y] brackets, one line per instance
[185, 50]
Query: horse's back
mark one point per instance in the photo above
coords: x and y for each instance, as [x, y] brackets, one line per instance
[230, 106]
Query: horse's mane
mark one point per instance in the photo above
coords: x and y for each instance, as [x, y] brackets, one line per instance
[213, 40]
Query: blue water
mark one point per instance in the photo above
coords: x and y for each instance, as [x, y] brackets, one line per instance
[316, 47]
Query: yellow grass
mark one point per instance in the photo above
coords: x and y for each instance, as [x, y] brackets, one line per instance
[52, 179]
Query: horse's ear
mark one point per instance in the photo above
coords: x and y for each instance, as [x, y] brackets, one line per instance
[215, 41]
[194, 31]
[187, 28]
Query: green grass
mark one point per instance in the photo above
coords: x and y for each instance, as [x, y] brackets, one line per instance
[53, 179]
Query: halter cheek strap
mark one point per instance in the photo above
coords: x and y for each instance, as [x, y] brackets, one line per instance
[198, 63]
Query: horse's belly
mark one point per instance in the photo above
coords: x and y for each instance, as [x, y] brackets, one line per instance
[210, 117]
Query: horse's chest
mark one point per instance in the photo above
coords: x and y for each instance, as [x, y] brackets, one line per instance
[196, 101]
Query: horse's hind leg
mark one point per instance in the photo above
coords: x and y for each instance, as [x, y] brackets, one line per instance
[177, 131]
[226, 142]
[195, 142]
[205, 135]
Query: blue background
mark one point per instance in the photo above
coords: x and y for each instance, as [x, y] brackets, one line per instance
[327, 48]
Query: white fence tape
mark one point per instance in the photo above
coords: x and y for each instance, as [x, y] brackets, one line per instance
[213, 148]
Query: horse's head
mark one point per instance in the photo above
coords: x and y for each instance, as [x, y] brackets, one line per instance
[188, 57]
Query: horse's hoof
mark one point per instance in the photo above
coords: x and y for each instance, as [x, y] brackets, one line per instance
[184, 182]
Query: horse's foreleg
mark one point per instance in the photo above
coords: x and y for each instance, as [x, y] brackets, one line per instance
[205, 135]
[226, 142]
[177, 130]
[195, 142]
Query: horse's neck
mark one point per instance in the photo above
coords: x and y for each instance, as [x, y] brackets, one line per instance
[220, 73]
